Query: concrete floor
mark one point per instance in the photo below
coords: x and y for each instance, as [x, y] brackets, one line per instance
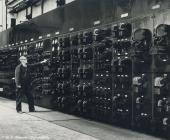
[46, 124]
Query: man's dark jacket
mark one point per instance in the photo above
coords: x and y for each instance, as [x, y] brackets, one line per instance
[22, 77]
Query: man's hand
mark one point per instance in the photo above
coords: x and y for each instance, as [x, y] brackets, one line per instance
[44, 61]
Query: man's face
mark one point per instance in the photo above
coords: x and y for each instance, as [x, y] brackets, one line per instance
[24, 62]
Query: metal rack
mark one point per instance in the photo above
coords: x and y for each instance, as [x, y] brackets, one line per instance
[107, 73]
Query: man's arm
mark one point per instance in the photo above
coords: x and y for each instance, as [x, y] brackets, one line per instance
[17, 77]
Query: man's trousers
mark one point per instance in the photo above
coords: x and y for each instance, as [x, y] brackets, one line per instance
[19, 95]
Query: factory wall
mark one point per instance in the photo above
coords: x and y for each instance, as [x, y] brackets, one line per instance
[21, 16]
[79, 16]
[2, 15]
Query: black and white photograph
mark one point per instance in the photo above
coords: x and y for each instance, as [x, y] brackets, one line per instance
[84, 69]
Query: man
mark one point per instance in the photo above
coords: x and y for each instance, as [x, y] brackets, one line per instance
[22, 80]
